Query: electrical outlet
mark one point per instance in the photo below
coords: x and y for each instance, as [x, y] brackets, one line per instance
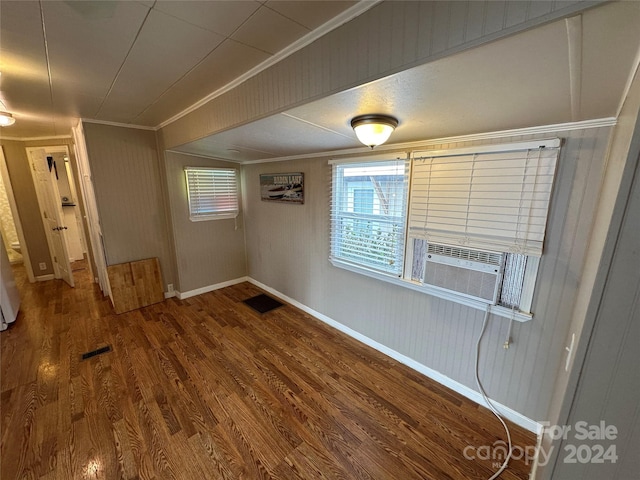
[170, 287]
[43, 266]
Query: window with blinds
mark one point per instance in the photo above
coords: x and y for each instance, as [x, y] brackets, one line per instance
[368, 214]
[495, 200]
[466, 224]
[212, 193]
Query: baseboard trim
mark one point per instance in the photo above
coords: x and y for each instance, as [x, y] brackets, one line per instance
[463, 390]
[209, 288]
[44, 278]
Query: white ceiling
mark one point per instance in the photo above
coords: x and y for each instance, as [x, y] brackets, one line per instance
[144, 62]
[137, 62]
[520, 81]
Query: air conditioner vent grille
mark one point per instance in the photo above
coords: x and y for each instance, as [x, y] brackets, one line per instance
[491, 258]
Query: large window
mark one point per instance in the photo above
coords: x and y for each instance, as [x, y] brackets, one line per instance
[475, 227]
[212, 193]
[368, 214]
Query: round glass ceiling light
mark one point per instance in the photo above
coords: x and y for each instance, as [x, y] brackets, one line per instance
[6, 119]
[373, 129]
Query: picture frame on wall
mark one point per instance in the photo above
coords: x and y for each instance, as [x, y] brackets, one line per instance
[282, 187]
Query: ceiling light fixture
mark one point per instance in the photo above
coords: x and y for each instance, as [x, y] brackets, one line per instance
[373, 129]
[6, 119]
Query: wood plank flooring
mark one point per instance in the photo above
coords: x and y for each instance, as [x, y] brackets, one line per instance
[206, 388]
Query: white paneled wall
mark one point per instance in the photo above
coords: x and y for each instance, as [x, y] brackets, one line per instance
[288, 250]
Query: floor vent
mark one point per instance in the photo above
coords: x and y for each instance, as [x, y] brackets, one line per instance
[263, 303]
[93, 353]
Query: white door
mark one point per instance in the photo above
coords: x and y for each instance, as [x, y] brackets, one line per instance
[91, 208]
[52, 215]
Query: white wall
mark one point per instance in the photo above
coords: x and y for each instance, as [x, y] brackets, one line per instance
[609, 380]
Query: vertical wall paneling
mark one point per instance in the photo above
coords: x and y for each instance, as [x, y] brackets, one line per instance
[207, 252]
[622, 159]
[609, 384]
[126, 175]
[388, 38]
[288, 249]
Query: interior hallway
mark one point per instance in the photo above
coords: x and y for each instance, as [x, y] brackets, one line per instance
[206, 388]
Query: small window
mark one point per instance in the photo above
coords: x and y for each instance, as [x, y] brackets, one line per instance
[368, 214]
[212, 193]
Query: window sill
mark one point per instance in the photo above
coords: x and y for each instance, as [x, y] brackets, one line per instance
[203, 218]
[434, 291]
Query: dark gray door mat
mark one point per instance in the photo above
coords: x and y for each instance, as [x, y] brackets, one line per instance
[263, 303]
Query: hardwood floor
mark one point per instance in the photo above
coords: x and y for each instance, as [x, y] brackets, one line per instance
[205, 388]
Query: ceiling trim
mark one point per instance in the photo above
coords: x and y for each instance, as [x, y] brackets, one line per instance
[118, 124]
[543, 129]
[35, 139]
[344, 17]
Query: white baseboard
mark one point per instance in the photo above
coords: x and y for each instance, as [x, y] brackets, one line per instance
[209, 288]
[169, 294]
[463, 390]
[44, 278]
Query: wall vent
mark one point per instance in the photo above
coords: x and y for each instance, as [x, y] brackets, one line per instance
[473, 273]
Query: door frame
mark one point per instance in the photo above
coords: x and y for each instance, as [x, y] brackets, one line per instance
[52, 149]
[92, 215]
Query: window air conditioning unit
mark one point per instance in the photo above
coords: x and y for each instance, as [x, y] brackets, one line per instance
[473, 273]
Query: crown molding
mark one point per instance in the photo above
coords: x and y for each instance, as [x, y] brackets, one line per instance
[35, 139]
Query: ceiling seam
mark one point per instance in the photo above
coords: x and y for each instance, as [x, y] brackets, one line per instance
[293, 117]
[227, 38]
[346, 16]
[115, 79]
[207, 29]
[574, 46]
[46, 57]
[288, 18]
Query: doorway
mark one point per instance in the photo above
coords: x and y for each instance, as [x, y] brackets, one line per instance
[58, 202]
[8, 227]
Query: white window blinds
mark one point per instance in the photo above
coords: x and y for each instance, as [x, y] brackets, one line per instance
[494, 200]
[212, 193]
[368, 214]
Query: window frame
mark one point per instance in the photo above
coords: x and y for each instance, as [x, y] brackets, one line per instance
[521, 314]
[217, 187]
[340, 195]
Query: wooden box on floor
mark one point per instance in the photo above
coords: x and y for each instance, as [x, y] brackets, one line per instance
[135, 284]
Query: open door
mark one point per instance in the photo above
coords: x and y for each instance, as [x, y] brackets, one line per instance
[44, 176]
[91, 208]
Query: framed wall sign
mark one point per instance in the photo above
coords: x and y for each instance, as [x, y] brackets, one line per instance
[282, 187]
